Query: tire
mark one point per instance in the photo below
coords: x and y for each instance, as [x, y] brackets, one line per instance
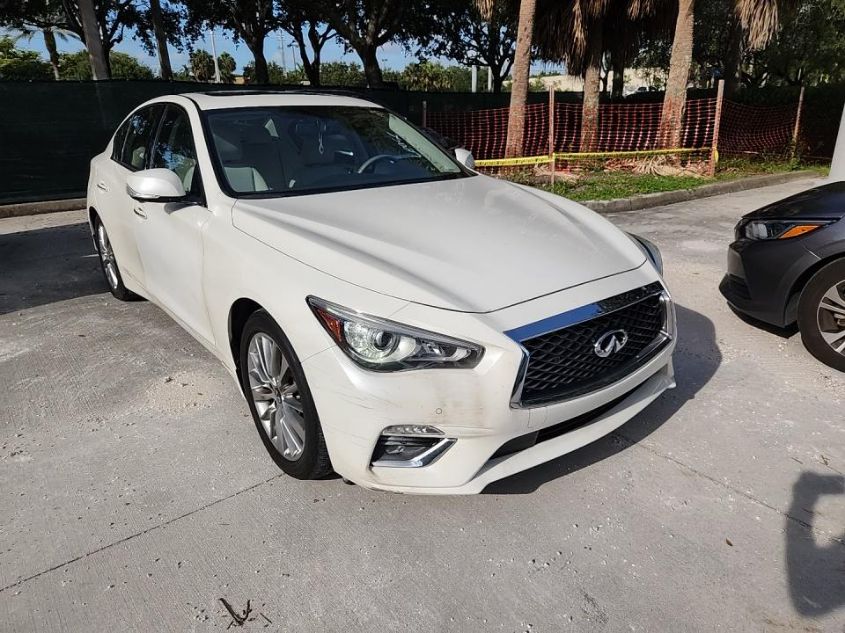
[279, 399]
[108, 264]
[821, 315]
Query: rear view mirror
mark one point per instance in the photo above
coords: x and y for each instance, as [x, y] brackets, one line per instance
[155, 185]
[465, 157]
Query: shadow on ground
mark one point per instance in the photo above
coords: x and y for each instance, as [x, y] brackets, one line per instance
[696, 360]
[815, 565]
[47, 265]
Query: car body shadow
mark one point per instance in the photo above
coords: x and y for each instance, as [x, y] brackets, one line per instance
[782, 332]
[697, 358]
[816, 573]
[47, 265]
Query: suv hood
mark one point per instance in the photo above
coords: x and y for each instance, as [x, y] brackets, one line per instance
[472, 244]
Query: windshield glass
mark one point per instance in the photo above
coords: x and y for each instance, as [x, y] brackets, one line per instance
[295, 150]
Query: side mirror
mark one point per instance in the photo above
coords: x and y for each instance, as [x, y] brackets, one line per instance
[465, 157]
[155, 185]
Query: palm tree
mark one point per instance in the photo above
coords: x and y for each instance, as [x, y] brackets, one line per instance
[759, 21]
[520, 71]
[578, 33]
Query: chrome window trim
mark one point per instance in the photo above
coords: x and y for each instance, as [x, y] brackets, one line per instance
[586, 313]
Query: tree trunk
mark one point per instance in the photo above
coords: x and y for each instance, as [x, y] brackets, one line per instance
[521, 73]
[618, 87]
[372, 71]
[91, 32]
[52, 51]
[262, 76]
[674, 102]
[161, 40]
[312, 66]
[592, 90]
[733, 57]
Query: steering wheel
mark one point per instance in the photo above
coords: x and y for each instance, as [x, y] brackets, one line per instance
[378, 157]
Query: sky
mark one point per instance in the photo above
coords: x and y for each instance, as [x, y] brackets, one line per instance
[391, 56]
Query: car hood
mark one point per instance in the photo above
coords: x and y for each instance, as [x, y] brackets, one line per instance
[819, 203]
[472, 244]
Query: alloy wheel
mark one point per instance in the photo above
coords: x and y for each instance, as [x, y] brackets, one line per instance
[107, 256]
[831, 317]
[276, 396]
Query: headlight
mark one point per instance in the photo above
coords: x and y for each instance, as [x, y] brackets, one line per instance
[775, 229]
[649, 250]
[383, 345]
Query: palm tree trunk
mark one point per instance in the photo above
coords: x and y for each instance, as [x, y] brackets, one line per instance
[91, 33]
[675, 100]
[161, 40]
[733, 57]
[592, 90]
[521, 73]
[52, 51]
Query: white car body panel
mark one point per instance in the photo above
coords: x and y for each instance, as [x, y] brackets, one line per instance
[470, 258]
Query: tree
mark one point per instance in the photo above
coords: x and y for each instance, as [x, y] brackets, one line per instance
[97, 54]
[521, 71]
[226, 63]
[76, 66]
[249, 21]
[19, 65]
[302, 19]
[759, 21]
[434, 77]
[366, 25]
[466, 37]
[202, 65]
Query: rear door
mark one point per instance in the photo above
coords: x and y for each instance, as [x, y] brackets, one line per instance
[170, 235]
[130, 152]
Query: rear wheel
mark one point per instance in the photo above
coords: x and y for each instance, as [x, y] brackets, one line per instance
[109, 264]
[821, 315]
[280, 401]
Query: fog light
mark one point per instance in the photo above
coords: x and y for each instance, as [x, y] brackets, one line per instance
[409, 451]
[412, 429]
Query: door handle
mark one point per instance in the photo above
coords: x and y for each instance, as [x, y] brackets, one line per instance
[139, 212]
[102, 186]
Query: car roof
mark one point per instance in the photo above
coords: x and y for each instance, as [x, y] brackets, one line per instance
[219, 99]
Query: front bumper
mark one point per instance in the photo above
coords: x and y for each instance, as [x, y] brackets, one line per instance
[472, 406]
[761, 277]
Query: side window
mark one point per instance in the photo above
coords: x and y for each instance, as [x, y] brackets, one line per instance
[119, 138]
[174, 148]
[141, 127]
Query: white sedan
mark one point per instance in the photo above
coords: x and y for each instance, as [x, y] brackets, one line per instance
[387, 312]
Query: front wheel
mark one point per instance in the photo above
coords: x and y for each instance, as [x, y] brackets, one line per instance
[280, 401]
[821, 315]
[108, 263]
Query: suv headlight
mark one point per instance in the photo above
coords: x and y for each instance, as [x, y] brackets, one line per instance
[382, 345]
[775, 229]
[649, 250]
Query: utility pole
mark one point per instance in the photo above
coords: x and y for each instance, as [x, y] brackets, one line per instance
[474, 78]
[489, 79]
[214, 55]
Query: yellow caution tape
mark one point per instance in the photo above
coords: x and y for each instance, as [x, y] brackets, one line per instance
[546, 159]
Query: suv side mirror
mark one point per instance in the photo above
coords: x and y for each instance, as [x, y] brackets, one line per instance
[465, 157]
[155, 185]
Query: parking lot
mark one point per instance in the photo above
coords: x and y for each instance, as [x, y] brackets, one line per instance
[136, 492]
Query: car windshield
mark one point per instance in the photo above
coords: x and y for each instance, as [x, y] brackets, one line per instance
[296, 150]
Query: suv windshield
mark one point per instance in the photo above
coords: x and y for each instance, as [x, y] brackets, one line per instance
[296, 150]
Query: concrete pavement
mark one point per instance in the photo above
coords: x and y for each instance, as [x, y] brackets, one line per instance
[136, 493]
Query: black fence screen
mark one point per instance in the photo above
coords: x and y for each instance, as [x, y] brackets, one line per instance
[49, 131]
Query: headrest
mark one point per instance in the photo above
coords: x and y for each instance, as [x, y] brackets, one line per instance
[228, 143]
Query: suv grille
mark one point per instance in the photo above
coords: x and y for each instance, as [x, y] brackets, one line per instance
[564, 363]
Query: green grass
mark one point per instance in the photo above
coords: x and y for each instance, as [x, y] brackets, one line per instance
[601, 185]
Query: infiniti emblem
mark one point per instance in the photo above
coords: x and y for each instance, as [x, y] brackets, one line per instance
[610, 343]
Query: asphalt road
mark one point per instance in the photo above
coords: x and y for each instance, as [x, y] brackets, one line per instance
[135, 492]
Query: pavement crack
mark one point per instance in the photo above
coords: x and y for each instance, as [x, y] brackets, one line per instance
[727, 486]
[125, 539]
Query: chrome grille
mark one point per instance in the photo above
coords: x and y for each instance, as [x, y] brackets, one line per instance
[563, 362]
